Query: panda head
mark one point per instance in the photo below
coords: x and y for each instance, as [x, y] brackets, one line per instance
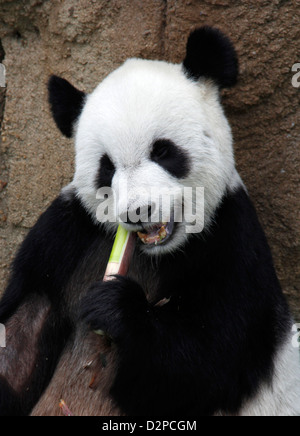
[153, 127]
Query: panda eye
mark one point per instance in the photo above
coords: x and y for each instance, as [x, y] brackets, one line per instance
[160, 149]
[105, 173]
[170, 157]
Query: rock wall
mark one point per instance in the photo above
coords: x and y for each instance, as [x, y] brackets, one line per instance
[83, 40]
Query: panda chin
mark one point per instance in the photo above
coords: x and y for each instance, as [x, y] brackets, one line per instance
[157, 234]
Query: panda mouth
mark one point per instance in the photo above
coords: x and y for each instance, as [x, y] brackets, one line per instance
[156, 234]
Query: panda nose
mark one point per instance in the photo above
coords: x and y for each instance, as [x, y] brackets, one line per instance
[140, 215]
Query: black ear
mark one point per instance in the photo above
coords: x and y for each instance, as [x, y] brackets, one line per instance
[66, 103]
[210, 54]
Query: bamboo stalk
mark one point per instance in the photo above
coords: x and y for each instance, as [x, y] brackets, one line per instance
[121, 254]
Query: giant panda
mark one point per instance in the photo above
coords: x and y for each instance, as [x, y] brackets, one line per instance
[221, 344]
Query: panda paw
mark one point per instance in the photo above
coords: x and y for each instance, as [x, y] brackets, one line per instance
[117, 307]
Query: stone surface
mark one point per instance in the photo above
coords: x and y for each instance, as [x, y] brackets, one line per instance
[83, 40]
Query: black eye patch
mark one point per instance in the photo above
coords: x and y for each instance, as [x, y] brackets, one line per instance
[171, 158]
[105, 173]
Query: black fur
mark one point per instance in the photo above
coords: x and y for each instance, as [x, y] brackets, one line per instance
[210, 54]
[106, 172]
[105, 303]
[207, 350]
[52, 251]
[49, 254]
[66, 104]
[171, 158]
[211, 347]
[10, 404]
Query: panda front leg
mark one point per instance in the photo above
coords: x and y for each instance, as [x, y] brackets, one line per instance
[156, 372]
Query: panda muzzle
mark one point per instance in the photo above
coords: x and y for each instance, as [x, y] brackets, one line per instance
[156, 234]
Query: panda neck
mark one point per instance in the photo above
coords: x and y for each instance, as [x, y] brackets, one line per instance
[230, 260]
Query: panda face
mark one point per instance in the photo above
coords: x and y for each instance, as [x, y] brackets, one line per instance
[149, 127]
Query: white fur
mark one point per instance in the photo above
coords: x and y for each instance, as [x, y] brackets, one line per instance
[147, 100]
[282, 398]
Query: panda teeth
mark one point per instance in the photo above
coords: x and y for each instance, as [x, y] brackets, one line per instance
[156, 234]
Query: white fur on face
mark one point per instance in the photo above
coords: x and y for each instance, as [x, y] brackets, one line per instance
[141, 102]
